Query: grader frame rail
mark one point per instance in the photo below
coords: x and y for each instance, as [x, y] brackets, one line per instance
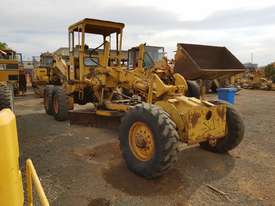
[160, 110]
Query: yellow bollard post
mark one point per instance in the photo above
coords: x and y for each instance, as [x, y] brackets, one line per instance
[11, 188]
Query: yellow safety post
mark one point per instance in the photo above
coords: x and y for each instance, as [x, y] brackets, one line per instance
[11, 188]
[32, 177]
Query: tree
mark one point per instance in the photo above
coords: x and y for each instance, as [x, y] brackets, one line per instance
[3, 45]
[269, 70]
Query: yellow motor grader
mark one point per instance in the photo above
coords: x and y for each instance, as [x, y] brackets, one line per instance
[158, 110]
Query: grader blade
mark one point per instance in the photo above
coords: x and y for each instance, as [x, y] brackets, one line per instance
[206, 62]
[94, 119]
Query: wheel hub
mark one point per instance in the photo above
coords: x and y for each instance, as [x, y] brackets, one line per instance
[141, 141]
[212, 142]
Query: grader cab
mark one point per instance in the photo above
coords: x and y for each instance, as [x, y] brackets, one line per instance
[158, 112]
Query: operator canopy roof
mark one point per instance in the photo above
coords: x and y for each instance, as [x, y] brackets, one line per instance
[96, 26]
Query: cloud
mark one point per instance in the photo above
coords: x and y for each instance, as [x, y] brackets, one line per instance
[232, 19]
[33, 26]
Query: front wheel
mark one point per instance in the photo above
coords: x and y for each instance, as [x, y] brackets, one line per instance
[148, 139]
[234, 136]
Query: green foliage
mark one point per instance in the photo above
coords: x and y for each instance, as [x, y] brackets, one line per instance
[269, 70]
[3, 45]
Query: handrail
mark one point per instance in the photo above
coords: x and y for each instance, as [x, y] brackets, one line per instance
[32, 177]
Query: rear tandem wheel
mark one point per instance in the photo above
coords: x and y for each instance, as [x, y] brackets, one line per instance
[48, 99]
[60, 104]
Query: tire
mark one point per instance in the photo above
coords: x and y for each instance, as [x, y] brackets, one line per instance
[39, 91]
[165, 138]
[193, 89]
[6, 97]
[48, 99]
[214, 87]
[60, 104]
[235, 127]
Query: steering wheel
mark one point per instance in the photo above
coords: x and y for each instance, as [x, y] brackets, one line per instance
[93, 50]
[96, 48]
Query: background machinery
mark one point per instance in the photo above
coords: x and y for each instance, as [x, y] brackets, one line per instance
[44, 73]
[10, 65]
[157, 114]
[214, 66]
[47, 73]
[256, 80]
[11, 184]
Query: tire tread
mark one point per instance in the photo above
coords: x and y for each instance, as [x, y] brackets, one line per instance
[168, 140]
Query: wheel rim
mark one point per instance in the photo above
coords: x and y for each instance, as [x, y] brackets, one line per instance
[55, 104]
[141, 141]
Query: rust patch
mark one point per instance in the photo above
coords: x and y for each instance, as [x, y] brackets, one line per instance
[195, 118]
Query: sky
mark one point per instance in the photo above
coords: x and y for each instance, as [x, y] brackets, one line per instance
[243, 26]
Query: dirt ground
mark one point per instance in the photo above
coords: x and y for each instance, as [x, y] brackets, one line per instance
[83, 165]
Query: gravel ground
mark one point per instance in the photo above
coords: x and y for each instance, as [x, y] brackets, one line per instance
[83, 165]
